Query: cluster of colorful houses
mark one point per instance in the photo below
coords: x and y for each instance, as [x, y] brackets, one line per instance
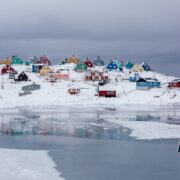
[43, 67]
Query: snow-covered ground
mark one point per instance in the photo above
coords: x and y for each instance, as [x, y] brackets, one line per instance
[57, 93]
[27, 165]
[150, 130]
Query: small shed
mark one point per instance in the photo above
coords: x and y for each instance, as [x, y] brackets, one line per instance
[45, 70]
[174, 84]
[129, 65]
[147, 83]
[88, 63]
[17, 60]
[11, 76]
[112, 66]
[31, 87]
[44, 60]
[5, 61]
[134, 77]
[145, 66]
[98, 62]
[81, 67]
[22, 77]
[8, 70]
[73, 60]
[108, 90]
[34, 60]
[74, 91]
[138, 68]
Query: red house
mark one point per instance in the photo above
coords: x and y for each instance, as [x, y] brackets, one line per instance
[8, 70]
[44, 60]
[107, 90]
[88, 63]
[96, 76]
[174, 84]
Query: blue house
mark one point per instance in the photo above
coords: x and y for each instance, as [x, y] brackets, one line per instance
[112, 66]
[37, 67]
[134, 77]
[147, 83]
[145, 66]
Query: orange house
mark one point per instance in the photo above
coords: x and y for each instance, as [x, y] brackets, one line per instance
[5, 61]
[59, 76]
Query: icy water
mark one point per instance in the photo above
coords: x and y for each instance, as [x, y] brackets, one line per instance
[85, 146]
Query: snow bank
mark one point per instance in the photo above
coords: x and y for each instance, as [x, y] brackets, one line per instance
[27, 165]
[150, 130]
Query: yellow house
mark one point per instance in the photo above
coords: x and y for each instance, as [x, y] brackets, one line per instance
[45, 70]
[138, 68]
[5, 61]
[73, 59]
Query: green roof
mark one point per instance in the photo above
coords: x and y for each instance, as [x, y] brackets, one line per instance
[81, 66]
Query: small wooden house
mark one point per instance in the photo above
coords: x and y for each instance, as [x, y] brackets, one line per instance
[73, 60]
[145, 66]
[98, 62]
[108, 90]
[112, 66]
[8, 70]
[31, 87]
[134, 77]
[16, 60]
[44, 60]
[45, 71]
[22, 77]
[34, 60]
[81, 67]
[129, 65]
[74, 91]
[5, 61]
[88, 63]
[138, 68]
[174, 84]
[147, 83]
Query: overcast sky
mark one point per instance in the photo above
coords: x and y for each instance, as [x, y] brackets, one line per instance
[125, 29]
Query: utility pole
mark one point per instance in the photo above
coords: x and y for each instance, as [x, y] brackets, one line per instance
[2, 83]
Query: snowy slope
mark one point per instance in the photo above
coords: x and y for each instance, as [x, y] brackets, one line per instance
[57, 93]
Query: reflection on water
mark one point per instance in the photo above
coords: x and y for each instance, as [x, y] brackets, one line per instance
[78, 122]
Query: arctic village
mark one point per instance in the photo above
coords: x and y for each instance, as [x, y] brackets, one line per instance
[73, 81]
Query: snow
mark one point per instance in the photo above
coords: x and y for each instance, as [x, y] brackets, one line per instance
[57, 93]
[150, 130]
[27, 165]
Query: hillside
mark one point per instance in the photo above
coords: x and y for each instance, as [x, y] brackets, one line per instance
[57, 93]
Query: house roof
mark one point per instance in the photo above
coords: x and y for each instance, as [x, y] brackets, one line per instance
[107, 87]
[147, 80]
[175, 81]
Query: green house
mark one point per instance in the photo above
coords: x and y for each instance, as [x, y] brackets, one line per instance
[118, 63]
[16, 60]
[129, 65]
[81, 67]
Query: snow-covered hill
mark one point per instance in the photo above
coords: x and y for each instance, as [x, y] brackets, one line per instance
[57, 93]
